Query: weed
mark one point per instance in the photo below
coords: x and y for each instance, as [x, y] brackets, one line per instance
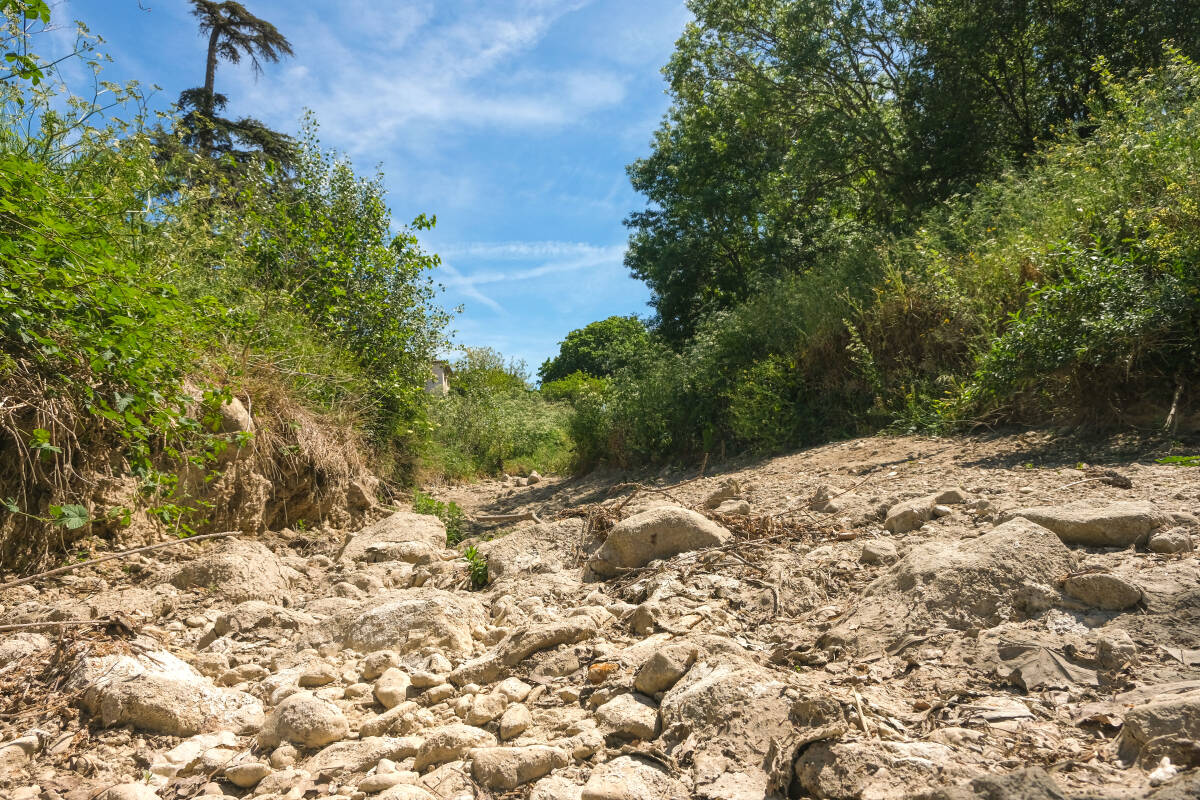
[450, 514]
[477, 566]
[1181, 461]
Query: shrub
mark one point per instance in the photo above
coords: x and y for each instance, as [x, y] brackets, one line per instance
[449, 513]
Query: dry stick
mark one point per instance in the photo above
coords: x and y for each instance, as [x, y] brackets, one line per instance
[114, 556]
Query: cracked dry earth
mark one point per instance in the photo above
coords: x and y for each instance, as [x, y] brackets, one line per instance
[881, 618]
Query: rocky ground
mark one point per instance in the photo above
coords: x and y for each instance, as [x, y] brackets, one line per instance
[883, 618]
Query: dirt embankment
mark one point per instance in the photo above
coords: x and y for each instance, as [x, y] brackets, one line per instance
[881, 618]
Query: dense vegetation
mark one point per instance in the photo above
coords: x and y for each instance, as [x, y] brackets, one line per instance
[920, 214]
[150, 271]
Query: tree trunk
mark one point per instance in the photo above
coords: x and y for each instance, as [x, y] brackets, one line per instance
[210, 79]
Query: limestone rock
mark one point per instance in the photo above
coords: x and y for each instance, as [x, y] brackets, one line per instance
[1175, 540]
[413, 620]
[1104, 591]
[391, 689]
[485, 708]
[555, 788]
[631, 778]
[361, 755]
[878, 551]
[528, 640]
[1167, 726]
[664, 668]
[130, 791]
[238, 570]
[402, 526]
[657, 533]
[514, 721]
[912, 514]
[247, 774]
[1114, 525]
[406, 791]
[304, 720]
[504, 768]
[450, 742]
[629, 716]
[18, 645]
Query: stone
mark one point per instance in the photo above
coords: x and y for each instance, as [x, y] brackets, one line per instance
[284, 756]
[515, 720]
[406, 791]
[192, 750]
[960, 584]
[514, 690]
[664, 668]
[1114, 525]
[734, 508]
[1164, 727]
[238, 570]
[485, 708]
[402, 526]
[21, 644]
[1027, 784]
[1102, 590]
[416, 553]
[729, 489]
[158, 693]
[361, 755]
[318, 674]
[658, 533]
[525, 641]
[382, 781]
[400, 719]
[555, 788]
[1175, 540]
[416, 620]
[130, 791]
[450, 743]
[912, 514]
[391, 688]
[629, 716]
[505, 768]
[631, 778]
[847, 770]
[304, 720]
[247, 774]
[534, 478]
[878, 551]
[1115, 649]
[374, 664]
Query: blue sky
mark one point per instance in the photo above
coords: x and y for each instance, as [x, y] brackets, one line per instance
[511, 120]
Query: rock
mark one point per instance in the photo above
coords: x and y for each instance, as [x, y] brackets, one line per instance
[734, 714]
[287, 784]
[631, 778]
[515, 720]
[961, 584]
[849, 770]
[504, 768]
[361, 755]
[318, 674]
[158, 693]
[543, 549]
[1114, 525]
[629, 716]
[247, 774]
[513, 689]
[534, 478]
[878, 551]
[664, 668]
[16, 646]
[912, 514]
[239, 570]
[1026, 784]
[417, 553]
[449, 743]
[1115, 649]
[1164, 772]
[417, 619]
[735, 508]
[284, 756]
[1103, 591]
[658, 533]
[1168, 727]
[304, 720]
[400, 719]
[485, 708]
[530, 639]
[555, 788]
[374, 664]
[729, 489]
[402, 526]
[382, 781]
[406, 791]
[130, 791]
[1175, 540]
[391, 689]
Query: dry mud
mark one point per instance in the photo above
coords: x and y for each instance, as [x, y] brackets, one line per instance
[1011, 617]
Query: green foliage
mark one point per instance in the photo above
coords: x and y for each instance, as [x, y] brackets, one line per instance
[599, 349]
[482, 370]
[19, 14]
[1180, 461]
[572, 387]
[477, 567]
[450, 514]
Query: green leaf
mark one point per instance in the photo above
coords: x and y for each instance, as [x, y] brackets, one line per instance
[70, 516]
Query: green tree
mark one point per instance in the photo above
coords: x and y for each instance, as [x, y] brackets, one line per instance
[233, 33]
[599, 349]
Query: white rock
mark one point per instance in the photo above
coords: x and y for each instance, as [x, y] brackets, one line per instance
[449, 743]
[391, 689]
[515, 720]
[629, 715]
[504, 768]
[304, 720]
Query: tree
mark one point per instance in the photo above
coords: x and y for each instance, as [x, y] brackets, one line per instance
[233, 33]
[599, 349]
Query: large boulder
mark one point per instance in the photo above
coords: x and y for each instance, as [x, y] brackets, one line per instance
[1114, 525]
[960, 584]
[239, 570]
[1165, 726]
[158, 693]
[731, 716]
[411, 621]
[450, 743]
[505, 768]
[660, 532]
[631, 778]
[403, 526]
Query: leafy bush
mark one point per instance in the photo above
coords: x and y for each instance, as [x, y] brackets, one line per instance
[572, 387]
[600, 349]
[477, 567]
[449, 513]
